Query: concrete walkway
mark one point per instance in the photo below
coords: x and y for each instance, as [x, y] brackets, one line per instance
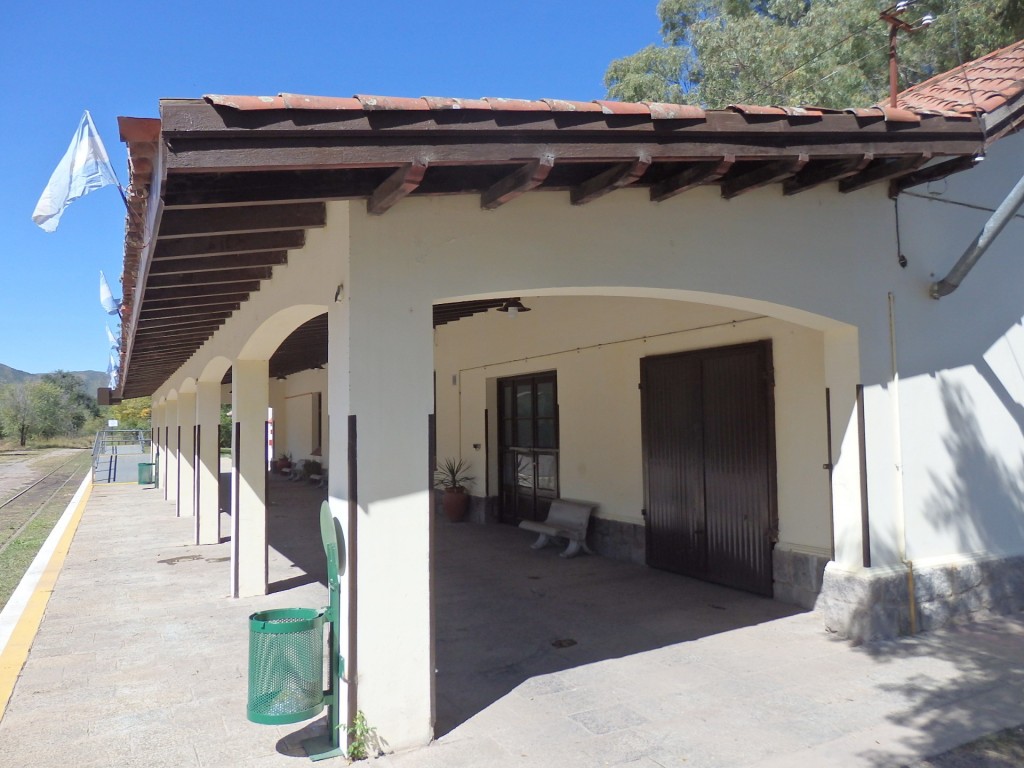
[141, 660]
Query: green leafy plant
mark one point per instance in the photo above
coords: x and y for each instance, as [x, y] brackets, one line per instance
[452, 474]
[362, 738]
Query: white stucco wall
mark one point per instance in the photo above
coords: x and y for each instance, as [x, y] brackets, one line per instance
[962, 367]
[942, 386]
[300, 391]
[595, 345]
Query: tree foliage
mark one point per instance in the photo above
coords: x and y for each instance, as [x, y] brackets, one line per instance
[133, 413]
[803, 52]
[55, 405]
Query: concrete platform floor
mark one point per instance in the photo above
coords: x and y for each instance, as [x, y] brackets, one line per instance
[141, 660]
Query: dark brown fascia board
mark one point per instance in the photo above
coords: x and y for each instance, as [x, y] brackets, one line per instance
[244, 155]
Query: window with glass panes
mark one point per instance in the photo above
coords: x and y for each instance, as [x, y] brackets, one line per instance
[528, 446]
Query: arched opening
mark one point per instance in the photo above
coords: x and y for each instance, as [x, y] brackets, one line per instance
[559, 403]
[280, 369]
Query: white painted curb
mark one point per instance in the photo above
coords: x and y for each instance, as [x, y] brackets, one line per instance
[11, 614]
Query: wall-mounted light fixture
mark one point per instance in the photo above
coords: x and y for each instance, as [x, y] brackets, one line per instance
[513, 307]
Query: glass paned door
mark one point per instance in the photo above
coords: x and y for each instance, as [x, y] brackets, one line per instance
[528, 444]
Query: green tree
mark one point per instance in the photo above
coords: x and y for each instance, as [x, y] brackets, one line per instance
[803, 52]
[16, 410]
[70, 407]
[134, 413]
[51, 415]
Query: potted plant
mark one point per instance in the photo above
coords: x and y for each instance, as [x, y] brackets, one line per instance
[452, 475]
[283, 463]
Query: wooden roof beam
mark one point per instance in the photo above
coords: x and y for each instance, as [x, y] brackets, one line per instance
[931, 173]
[152, 314]
[204, 319]
[769, 173]
[212, 263]
[616, 177]
[694, 176]
[835, 170]
[883, 170]
[399, 184]
[190, 304]
[520, 181]
[227, 245]
[176, 280]
[241, 219]
[193, 291]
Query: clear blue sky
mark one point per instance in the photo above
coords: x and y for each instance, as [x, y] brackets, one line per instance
[118, 58]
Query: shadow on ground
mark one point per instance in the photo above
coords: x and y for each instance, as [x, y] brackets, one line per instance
[966, 692]
[506, 613]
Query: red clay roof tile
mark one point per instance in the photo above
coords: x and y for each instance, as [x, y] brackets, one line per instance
[980, 86]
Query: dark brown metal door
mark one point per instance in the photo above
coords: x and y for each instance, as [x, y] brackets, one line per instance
[709, 464]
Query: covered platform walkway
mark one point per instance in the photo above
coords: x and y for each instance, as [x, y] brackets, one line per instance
[141, 660]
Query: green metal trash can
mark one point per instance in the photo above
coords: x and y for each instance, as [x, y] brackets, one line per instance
[286, 665]
[146, 473]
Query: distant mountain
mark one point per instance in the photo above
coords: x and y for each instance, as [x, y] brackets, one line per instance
[92, 379]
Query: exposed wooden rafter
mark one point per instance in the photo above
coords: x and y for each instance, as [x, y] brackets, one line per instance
[769, 173]
[832, 170]
[398, 185]
[697, 174]
[520, 181]
[935, 172]
[616, 177]
[213, 263]
[882, 170]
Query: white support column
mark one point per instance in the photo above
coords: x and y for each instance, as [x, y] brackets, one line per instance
[389, 374]
[171, 450]
[186, 454]
[249, 398]
[156, 448]
[842, 375]
[208, 496]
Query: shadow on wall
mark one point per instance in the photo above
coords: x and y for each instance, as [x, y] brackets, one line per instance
[958, 690]
[982, 500]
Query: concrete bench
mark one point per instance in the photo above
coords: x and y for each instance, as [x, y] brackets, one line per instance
[567, 520]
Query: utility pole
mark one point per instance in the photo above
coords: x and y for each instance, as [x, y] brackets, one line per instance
[891, 16]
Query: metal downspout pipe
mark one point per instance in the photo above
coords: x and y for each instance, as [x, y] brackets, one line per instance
[999, 219]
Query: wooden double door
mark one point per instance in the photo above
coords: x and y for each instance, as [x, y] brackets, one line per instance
[709, 464]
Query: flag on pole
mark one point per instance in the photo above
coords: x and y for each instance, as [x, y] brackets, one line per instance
[113, 371]
[114, 345]
[110, 305]
[84, 167]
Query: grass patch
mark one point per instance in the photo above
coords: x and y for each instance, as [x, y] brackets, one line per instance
[18, 556]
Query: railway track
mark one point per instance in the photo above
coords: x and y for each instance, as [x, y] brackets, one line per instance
[19, 510]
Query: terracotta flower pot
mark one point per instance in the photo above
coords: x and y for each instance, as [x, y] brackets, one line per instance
[455, 503]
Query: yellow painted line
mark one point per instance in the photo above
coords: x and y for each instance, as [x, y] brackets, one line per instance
[16, 651]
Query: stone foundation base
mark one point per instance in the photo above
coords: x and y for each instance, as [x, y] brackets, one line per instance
[797, 576]
[874, 604]
[618, 541]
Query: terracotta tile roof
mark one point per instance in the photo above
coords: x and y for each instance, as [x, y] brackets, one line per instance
[979, 87]
[650, 109]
